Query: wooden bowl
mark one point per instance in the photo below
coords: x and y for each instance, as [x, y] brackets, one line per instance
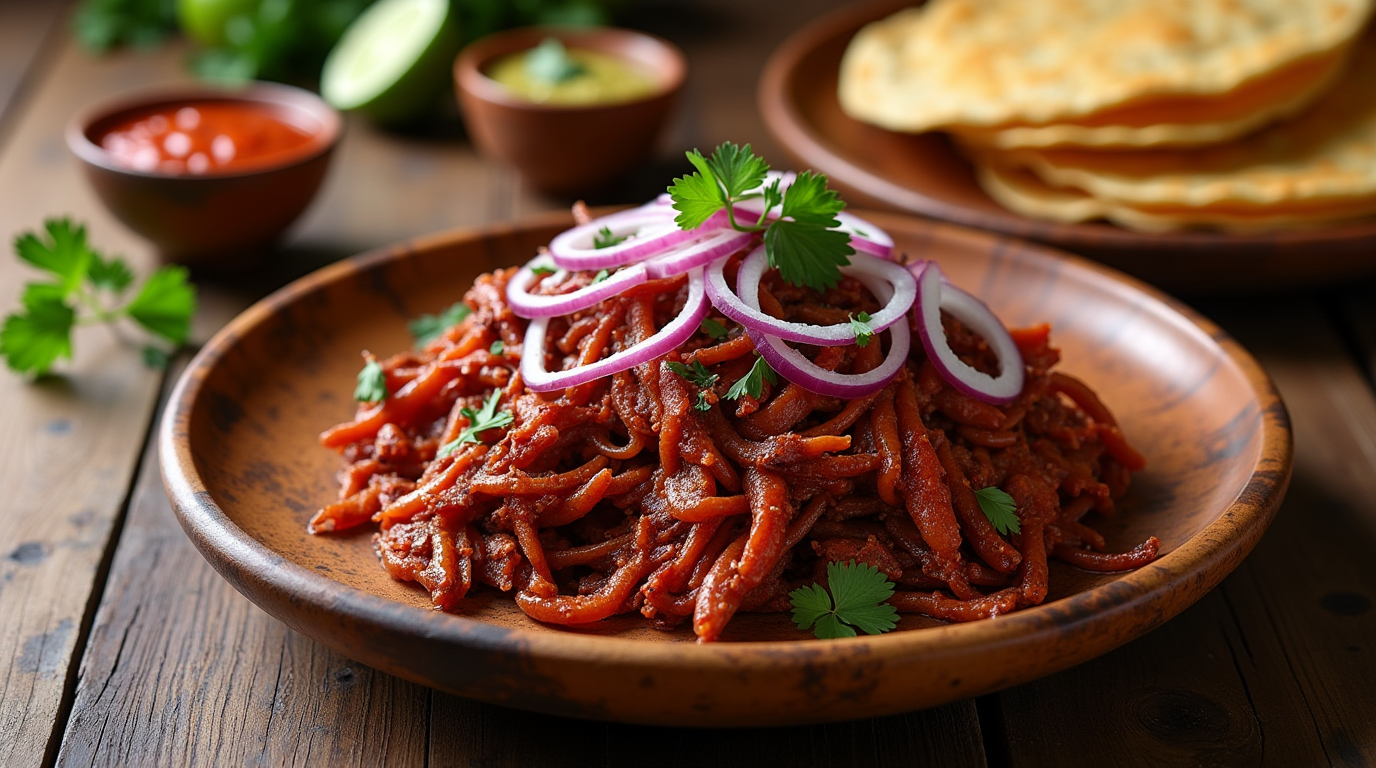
[245, 472]
[564, 149]
[926, 175]
[223, 218]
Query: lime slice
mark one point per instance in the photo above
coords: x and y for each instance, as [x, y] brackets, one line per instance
[393, 62]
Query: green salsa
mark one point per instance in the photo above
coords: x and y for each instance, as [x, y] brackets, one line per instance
[552, 74]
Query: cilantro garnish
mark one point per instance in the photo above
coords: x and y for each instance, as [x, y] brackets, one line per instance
[860, 324]
[427, 327]
[700, 376]
[752, 383]
[478, 421]
[372, 383]
[1000, 509]
[85, 284]
[497, 347]
[601, 275]
[856, 601]
[802, 243]
[606, 238]
[549, 62]
[713, 328]
[543, 270]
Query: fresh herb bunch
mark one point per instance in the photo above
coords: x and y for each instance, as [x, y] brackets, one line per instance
[88, 288]
[802, 243]
[856, 601]
[478, 422]
[104, 24]
[1000, 508]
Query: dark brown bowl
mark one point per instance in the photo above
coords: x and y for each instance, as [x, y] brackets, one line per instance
[245, 471]
[924, 174]
[218, 219]
[567, 149]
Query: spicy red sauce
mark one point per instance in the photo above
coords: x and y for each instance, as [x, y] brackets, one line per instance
[202, 137]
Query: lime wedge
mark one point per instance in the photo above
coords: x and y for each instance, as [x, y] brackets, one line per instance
[393, 62]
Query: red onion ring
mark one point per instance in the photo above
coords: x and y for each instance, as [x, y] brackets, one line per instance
[934, 295]
[652, 230]
[677, 331]
[792, 365]
[683, 258]
[528, 305]
[901, 290]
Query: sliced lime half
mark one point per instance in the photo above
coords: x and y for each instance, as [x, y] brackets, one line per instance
[393, 62]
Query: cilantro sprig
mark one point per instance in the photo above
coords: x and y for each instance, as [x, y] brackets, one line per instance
[858, 592]
[712, 328]
[698, 375]
[606, 238]
[86, 288]
[478, 422]
[1000, 508]
[372, 382]
[428, 327]
[860, 324]
[802, 241]
[752, 383]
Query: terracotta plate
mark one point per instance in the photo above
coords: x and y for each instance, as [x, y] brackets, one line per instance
[241, 463]
[925, 174]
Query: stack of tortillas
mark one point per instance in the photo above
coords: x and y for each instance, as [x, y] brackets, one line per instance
[1154, 114]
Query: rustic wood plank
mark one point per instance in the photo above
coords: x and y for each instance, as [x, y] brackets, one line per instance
[182, 670]
[465, 733]
[1274, 667]
[70, 444]
[24, 27]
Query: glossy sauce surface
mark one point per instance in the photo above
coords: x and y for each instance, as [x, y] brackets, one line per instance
[201, 137]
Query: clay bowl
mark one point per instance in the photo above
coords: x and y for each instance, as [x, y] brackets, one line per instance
[221, 219]
[925, 174]
[567, 150]
[245, 473]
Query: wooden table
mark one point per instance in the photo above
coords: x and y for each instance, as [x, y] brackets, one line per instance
[120, 646]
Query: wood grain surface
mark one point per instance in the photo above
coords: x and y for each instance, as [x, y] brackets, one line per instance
[179, 669]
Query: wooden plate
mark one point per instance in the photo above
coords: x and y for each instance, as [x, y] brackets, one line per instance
[244, 471]
[924, 174]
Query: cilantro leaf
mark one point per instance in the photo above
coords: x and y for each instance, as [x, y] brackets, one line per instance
[372, 383]
[737, 168]
[63, 252]
[809, 201]
[427, 327]
[810, 603]
[478, 421]
[549, 62]
[32, 341]
[543, 270]
[497, 348]
[752, 383]
[165, 304]
[698, 375]
[860, 324]
[1000, 508]
[857, 600]
[111, 274]
[807, 254]
[606, 238]
[713, 328]
[830, 627]
[601, 275]
[696, 196]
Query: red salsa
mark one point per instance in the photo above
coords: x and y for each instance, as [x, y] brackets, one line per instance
[202, 137]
